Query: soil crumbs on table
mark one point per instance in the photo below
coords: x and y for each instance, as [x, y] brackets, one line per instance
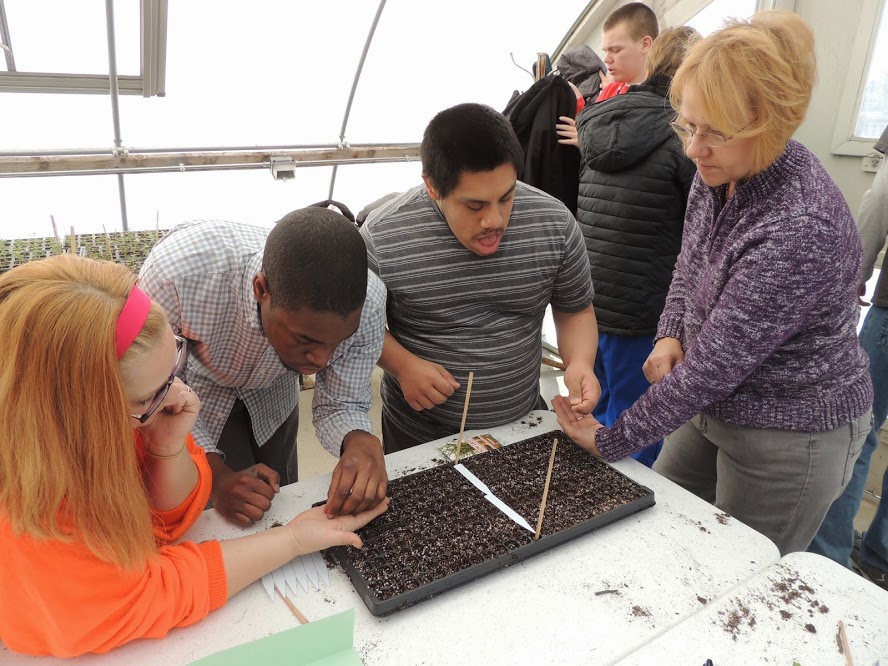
[789, 596]
[439, 524]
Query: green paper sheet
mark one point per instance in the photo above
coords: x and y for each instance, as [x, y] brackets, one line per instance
[326, 642]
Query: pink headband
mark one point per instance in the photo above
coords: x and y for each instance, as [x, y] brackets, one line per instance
[131, 320]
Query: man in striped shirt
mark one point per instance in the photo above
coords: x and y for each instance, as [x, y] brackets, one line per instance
[258, 307]
[470, 260]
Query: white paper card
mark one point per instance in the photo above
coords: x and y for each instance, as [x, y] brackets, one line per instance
[310, 571]
[292, 581]
[474, 480]
[511, 513]
[299, 570]
[268, 584]
[321, 567]
[279, 580]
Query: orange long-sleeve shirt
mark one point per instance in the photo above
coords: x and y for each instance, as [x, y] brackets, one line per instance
[59, 599]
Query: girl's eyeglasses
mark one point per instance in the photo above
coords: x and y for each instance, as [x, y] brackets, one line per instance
[157, 400]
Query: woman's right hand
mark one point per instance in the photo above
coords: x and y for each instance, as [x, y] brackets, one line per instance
[315, 530]
[667, 353]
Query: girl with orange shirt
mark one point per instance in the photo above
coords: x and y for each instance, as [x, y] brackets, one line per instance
[99, 476]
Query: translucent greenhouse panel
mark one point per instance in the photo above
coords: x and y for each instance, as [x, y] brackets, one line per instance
[68, 37]
[253, 197]
[84, 202]
[361, 184]
[263, 73]
[50, 122]
[421, 62]
[873, 115]
[712, 17]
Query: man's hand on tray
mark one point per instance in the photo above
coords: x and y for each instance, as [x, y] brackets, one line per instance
[360, 480]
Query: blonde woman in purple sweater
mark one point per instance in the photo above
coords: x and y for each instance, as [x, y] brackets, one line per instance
[756, 370]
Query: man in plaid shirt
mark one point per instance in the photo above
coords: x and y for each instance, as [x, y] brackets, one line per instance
[258, 307]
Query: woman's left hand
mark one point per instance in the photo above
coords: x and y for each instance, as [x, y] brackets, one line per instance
[580, 428]
[166, 430]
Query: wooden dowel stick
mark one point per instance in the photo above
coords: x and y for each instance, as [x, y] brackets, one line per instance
[108, 243]
[846, 648]
[552, 363]
[55, 229]
[462, 426]
[546, 489]
[299, 616]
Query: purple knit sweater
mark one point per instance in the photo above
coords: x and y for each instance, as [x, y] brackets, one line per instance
[764, 301]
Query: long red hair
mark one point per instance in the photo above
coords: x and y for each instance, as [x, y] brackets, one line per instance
[68, 464]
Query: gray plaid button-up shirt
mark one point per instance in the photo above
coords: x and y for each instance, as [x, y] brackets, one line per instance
[202, 274]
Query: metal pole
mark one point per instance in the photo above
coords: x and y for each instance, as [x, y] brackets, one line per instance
[351, 95]
[115, 105]
[41, 152]
[6, 40]
[183, 168]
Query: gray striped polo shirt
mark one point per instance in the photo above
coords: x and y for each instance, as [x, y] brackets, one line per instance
[471, 313]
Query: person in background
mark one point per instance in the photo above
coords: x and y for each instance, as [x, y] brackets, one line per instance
[99, 476]
[336, 207]
[259, 308]
[757, 372]
[471, 259]
[634, 184]
[373, 205]
[836, 538]
[627, 36]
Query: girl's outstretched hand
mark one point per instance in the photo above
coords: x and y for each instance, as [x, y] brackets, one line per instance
[315, 530]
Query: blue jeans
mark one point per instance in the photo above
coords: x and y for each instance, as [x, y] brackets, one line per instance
[618, 369]
[835, 539]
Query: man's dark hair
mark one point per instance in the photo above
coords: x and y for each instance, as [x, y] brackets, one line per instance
[469, 138]
[316, 258]
[640, 20]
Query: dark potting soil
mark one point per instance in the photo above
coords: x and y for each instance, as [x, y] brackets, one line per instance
[439, 524]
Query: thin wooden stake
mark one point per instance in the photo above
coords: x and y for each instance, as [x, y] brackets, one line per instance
[299, 616]
[157, 227]
[546, 489]
[846, 648]
[462, 426]
[108, 243]
[55, 230]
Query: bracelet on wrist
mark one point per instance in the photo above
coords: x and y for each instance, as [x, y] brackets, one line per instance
[163, 457]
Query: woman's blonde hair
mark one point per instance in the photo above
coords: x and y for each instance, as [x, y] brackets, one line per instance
[669, 50]
[753, 79]
[68, 463]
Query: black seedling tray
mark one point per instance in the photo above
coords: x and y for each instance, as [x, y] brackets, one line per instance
[440, 532]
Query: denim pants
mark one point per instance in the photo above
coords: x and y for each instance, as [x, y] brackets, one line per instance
[835, 539]
[618, 366]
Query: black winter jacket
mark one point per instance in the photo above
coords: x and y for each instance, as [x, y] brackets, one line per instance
[634, 183]
[548, 165]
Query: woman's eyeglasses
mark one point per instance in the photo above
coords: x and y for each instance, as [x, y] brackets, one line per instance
[157, 400]
[711, 139]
